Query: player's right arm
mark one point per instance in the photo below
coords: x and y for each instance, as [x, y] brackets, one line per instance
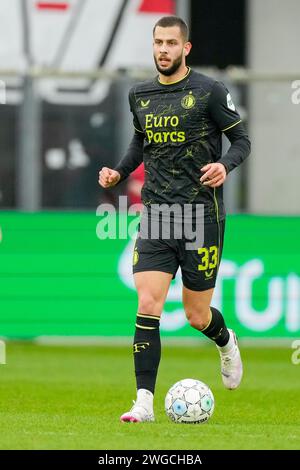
[132, 159]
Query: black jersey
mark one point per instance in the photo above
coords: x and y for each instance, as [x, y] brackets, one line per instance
[182, 124]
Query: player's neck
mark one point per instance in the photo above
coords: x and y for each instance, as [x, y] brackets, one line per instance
[176, 77]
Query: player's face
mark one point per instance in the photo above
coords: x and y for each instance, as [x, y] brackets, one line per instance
[169, 49]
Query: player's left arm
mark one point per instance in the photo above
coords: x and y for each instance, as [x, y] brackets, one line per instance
[225, 115]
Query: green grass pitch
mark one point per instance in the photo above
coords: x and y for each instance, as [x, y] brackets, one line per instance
[63, 397]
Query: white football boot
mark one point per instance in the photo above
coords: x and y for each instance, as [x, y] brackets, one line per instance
[231, 362]
[142, 410]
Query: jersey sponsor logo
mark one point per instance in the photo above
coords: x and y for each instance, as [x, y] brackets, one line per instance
[188, 101]
[145, 103]
[230, 103]
[154, 132]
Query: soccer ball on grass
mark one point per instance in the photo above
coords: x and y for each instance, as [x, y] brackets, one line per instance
[189, 401]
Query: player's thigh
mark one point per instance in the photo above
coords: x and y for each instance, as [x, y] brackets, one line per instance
[152, 289]
[154, 265]
[199, 267]
[155, 255]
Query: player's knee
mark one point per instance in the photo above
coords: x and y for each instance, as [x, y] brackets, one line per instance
[148, 304]
[198, 318]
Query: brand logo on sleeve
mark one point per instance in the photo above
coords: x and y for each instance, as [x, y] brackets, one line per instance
[230, 103]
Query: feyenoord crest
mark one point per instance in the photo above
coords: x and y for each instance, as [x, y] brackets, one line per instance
[188, 101]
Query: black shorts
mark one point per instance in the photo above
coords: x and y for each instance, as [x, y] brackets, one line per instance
[199, 267]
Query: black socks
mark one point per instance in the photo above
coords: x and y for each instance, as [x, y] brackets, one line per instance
[146, 351]
[147, 347]
[216, 329]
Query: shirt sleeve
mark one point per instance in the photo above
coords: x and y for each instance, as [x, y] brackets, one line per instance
[133, 157]
[222, 109]
[223, 112]
[136, 123]
[239, 149]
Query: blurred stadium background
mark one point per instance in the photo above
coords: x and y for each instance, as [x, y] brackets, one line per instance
[66, 68]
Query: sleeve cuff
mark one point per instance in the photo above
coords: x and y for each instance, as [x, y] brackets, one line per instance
[225, 165]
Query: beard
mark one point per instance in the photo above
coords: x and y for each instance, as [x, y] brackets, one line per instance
[170, 70]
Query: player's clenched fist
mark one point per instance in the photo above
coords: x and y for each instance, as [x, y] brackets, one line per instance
[108, 177]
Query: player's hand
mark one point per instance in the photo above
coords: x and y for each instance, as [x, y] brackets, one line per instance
[214, 175]
[108, 177]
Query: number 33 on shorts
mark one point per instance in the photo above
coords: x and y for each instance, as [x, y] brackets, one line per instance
[209, 259]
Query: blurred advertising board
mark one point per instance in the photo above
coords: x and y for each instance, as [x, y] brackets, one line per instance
[58, 278]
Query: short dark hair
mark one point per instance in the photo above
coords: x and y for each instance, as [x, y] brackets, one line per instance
[169, 21]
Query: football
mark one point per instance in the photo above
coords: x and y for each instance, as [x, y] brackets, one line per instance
[189, 401]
